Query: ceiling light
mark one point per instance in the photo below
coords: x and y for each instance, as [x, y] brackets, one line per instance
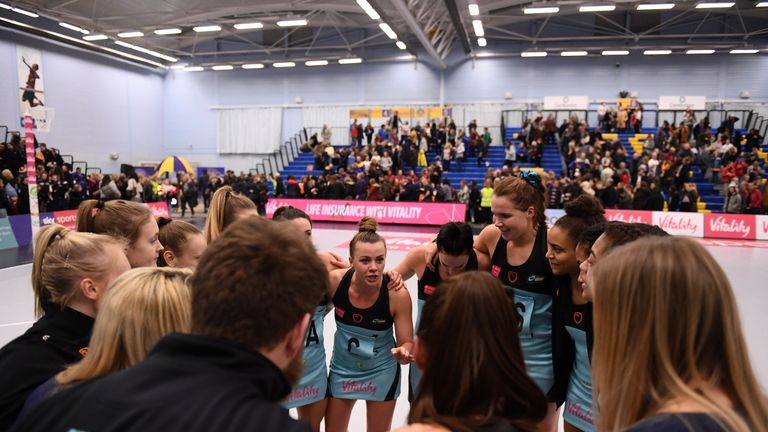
[388, 30]
[316, 63]
[95, 37]
[655, 6]
[657, 52]
[25, 12]
[292, 23]
[8, 7]
[406, 57]
[74, 28]
[147, 51]
[533, 54]
[597, 8]
[284, 64]
[700, 51]
[205, 29]
[615, 53]
[369, 9]
[474, 9]
[724, 5]
[478, 26]
[573, 53]
[401, 45]
[744, 51]
[168, 31]
[541, 10]
[485, 54]
[482, 42]
[131, 34]
[350, 61]
[223, 67]
[253, 66]
[762, 4]
[249, 26]
[177, 67]
[193, 69]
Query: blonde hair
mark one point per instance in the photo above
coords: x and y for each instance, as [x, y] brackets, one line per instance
[62, 258]
[224, 206]
[143, 305]
[118, 218]
[692, 342]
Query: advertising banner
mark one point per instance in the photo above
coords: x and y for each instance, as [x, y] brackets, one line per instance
[730, 226]
[31, 93]
[681, 103]
[629, 216]
[682, 224]
[761, 225]
[405, 213]
[566, 103]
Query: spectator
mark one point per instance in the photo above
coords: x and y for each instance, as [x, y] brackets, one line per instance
[732, 202]
[754, 202]
[108, 190]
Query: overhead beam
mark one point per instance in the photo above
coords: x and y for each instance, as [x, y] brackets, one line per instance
[402, 8]
[461, 34]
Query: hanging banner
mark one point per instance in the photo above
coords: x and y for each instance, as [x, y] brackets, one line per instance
[565, 103]
[681, 103]
[29, 141]
[381, 115]
[31, 88]
[627, 103]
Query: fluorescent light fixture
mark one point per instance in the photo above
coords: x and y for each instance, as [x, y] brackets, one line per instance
[762, 4]
[292, 23]
[193, 69]
[533, 54]
[573, 53]
[25, 12]
[744, 51]
[597, 8]
[478, 26]
[249, 26]
[541, 10]
[723, 5]
[369, 9]
[474, 9]
[350, 61]
[5, 6]
[401, 45]
[177, 67]
[253, 66]
[95, 37]
[655, 6]
[388, 30]
[482, 42]
[284, 64]
[657, 52]
[486, 54]
[130, 34]
[147, 51]
[168, 31]
[208, 28]
[223, 67]
[316, 63]
[700, 51]
[615, 53]
[406, 57]
[74, 28]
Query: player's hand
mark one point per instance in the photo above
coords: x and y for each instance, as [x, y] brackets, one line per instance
[332, 261]
[395, 281]
[402, 355]
[429, 255]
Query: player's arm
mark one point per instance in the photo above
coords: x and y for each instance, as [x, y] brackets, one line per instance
[412, 264]
[484, 244]
[334, 278]
[400, 307]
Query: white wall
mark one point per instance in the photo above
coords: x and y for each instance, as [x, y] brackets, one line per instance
[101, 105]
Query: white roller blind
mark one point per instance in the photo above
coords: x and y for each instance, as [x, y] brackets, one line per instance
[248, 130]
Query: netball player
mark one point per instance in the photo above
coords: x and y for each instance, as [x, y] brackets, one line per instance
[455, 255]
[183, 243]
[126, 221]
[572, 321]
[227, 206]
[71, 272]
[364, 365]
[670, 353]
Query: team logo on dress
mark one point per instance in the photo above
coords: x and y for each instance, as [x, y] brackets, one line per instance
[357, 318]
[429, 289]
[376, 321]
[536, 279]
[578, 317]
[512, 276]
[340, 312]
[495, 270]
[83, 351]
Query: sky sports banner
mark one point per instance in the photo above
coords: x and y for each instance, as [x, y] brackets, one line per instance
[17, 230]
[403, 213]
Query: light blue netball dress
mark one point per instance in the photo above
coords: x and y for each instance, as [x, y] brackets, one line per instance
[578, 400]
[313, 385]
[362, 366]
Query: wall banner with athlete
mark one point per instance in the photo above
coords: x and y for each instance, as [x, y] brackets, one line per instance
[32, 101]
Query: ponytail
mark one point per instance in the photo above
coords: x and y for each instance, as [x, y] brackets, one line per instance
[225, 204]
[118, 218]
[524, 192]
[86, 215]
[45, 238]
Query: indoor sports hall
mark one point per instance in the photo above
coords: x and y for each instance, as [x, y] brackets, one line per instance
[419, 114]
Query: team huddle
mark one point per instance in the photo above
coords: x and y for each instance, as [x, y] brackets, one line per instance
[151, 324]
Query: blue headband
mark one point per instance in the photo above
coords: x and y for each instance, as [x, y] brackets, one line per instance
[532, 178]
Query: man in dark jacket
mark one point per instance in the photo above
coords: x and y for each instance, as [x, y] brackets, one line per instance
[251, 304]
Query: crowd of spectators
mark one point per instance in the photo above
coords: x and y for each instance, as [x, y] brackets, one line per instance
[659, 176]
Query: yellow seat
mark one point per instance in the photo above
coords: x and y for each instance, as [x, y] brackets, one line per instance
[534, 169]
[702, 206]
[610, 136]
